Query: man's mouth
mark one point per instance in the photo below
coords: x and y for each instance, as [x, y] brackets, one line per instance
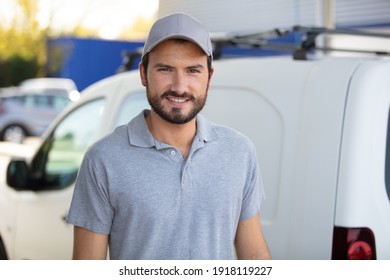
[177, 99]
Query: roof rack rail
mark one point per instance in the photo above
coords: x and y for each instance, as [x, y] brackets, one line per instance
[299, 51]
[250, 39]
[311, 33]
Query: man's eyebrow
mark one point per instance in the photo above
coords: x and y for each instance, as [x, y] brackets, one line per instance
[157, 65]
[196, 66]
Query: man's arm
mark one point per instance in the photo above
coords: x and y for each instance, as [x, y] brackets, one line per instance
[249, 242]
[88, 245]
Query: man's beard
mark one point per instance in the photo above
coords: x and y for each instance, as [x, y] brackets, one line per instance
[175, 115]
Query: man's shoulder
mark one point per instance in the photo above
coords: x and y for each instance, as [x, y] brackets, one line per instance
[211, 130]
[117, 139]
[228, 133]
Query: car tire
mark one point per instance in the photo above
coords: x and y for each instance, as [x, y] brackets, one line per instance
[3, 253]
[14, 133]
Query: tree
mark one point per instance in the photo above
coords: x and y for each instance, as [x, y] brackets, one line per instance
[23, 45]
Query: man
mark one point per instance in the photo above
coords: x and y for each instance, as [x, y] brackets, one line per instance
[170, 185]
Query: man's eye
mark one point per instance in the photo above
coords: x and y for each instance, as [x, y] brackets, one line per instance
[193, 71]
[164, 69]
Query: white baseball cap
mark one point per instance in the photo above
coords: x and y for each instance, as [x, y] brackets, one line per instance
[179, 26]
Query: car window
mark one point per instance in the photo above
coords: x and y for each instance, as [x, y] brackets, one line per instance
[59, 102]
[40, 101]
[133, 104]
[60, 156]
[15, 99]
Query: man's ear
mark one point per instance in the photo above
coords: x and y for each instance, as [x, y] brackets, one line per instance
[142, 74]
[211, 72]
[210, 75]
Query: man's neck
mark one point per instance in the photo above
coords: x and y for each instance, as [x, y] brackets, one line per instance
[179, 136]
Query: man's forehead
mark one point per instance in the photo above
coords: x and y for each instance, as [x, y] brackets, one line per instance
[174, 43]
[174, 49]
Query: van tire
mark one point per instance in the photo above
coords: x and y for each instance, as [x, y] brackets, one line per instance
[3, 253]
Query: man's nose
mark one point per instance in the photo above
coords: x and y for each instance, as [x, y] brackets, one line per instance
[179, 83]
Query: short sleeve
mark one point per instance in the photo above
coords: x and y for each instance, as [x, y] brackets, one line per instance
[90, 207]
[254, 194]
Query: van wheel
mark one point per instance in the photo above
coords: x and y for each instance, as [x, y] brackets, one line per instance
[3, 253]
[14, 133]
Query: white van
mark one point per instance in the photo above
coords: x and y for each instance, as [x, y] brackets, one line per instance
[321, 132]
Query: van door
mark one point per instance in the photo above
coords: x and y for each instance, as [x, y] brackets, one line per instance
[41, 231]
[363, 200]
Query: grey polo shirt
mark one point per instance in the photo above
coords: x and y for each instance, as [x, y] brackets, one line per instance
[153, 204]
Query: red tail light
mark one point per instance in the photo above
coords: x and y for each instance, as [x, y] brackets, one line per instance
[353, 244]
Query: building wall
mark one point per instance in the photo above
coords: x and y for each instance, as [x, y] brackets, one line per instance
[244, 15]
[370, 13]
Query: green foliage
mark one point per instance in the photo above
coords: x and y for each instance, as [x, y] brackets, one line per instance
[22, 46]
[16, 69]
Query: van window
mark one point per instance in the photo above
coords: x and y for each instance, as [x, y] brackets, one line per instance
[133, 104]
[387, 164]
[59, 158]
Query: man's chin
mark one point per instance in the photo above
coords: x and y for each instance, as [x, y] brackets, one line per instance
[177, 117]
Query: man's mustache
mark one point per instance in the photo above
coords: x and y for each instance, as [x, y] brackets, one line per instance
[175, 94]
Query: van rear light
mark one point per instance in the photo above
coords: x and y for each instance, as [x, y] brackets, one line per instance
[353, 244]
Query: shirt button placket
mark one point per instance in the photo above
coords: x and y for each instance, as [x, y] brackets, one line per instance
[186, 182]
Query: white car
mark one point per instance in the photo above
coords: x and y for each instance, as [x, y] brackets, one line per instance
[321, 132]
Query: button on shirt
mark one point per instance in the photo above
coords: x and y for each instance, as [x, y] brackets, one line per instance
[156, 205]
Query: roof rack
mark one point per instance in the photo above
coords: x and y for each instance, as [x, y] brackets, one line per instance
[310, 35]
[261, 40]
[306, 43]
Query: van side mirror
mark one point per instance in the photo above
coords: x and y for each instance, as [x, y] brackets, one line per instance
[17, 174]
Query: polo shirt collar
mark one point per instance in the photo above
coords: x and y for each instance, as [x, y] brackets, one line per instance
[140, 136]
[205, 131]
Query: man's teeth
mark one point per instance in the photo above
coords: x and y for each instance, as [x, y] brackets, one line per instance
[177, 100]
